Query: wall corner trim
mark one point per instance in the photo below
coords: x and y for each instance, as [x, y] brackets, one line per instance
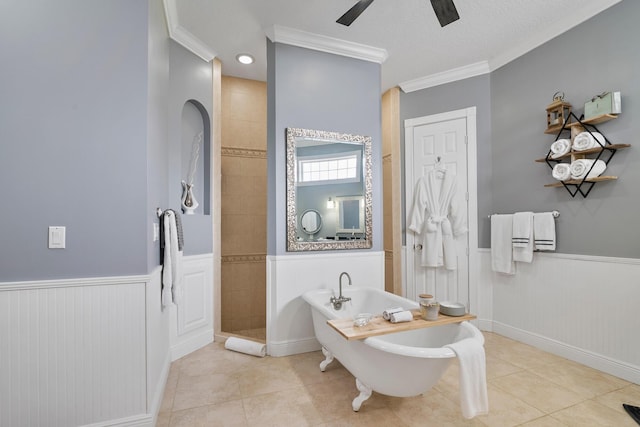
[184, 37]
[291, 36]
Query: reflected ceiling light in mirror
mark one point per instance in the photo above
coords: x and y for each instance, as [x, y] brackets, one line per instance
[244, 58]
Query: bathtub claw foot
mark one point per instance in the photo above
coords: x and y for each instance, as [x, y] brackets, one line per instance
[328, 359]
[365, 393]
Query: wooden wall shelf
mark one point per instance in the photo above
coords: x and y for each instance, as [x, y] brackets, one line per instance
[589, 151]
[604, 152]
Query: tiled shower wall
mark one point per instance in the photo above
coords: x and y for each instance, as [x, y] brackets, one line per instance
[244, 204]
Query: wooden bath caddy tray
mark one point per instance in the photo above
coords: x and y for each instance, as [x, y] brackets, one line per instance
[379, 326]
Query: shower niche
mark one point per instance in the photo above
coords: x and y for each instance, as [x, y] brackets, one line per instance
[195, 154]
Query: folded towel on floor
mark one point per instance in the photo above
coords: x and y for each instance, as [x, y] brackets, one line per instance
[401, 316]
[585, 140]
[587, 167]
[522, 236]
[544, 231]
[501, 247]
[560, 147]
[474, 398]
[386, 315]
[561, 172]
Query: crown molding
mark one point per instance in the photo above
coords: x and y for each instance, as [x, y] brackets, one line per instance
[448, 76]
[291, 36]
[579, 16]
[184, 37]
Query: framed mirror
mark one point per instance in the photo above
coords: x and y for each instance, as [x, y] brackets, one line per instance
[329, 187]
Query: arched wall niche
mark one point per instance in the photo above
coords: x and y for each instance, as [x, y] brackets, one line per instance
[196, 152]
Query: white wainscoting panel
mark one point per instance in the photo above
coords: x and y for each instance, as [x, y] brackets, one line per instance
[158, 354]
[72, 352]
[584, 308]
[289, 325]
[192, 320]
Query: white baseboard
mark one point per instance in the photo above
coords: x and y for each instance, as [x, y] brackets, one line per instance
[192, 344]
[287, 348]
[158, 393]
[485, 325]
[145, 420]
[602, 363]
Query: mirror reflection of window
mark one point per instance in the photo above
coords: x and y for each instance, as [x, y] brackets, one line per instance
[329, 168]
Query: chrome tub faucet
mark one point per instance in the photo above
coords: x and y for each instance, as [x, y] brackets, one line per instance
[337, 302]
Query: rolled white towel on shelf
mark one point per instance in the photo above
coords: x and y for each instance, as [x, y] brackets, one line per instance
[580, 168]
[585, 140]
[386, 315]
[241, 345]
[561, 172]
[560, 147]
[401, 316]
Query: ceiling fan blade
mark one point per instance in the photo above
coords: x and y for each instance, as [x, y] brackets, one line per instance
[351, 14]
[445, 11]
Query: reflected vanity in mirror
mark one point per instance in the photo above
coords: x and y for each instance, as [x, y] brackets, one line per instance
[329, 188]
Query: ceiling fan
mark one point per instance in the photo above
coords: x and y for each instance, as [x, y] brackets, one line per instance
[445, 11]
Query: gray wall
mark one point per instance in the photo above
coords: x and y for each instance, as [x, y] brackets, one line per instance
[73, 133]
[599, 55]
[316, 90]
[470, 92]
[84, 139]
[190, 82]
[157, 139]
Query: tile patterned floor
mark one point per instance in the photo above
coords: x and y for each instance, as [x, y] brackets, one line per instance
[527, 387]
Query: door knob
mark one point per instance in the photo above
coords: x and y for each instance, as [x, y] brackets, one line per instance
[418, 247]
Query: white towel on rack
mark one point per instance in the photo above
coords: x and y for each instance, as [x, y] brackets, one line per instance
[580, 167]
[501, 247]
[585, 140]
[522, 237]
[544, 231]
[560, 147]
[561, 172]
[172, 261]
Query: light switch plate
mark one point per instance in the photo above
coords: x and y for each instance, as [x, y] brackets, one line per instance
[57, 237]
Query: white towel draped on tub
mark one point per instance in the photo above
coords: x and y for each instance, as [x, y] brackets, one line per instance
[522, 237]
[172, 261]
[501, 247]
[474, 398]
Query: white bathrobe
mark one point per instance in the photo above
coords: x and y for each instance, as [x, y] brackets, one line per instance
[437, 216]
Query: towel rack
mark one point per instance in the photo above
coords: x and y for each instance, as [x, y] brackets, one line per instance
[555, 214]
[159, 212]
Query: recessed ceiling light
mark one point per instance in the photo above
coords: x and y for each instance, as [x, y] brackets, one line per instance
[244, 58]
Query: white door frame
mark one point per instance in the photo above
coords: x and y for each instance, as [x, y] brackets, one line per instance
[472, 187]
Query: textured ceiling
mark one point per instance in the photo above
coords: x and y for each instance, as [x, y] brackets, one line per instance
[491, 31]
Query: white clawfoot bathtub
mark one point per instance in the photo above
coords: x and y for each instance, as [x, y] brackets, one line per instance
[401, 364]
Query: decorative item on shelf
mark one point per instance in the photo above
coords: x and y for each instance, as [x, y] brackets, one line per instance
[189, 203]
[605, 103]
[557, 112]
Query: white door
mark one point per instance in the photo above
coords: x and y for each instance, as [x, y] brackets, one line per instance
[430, 140]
